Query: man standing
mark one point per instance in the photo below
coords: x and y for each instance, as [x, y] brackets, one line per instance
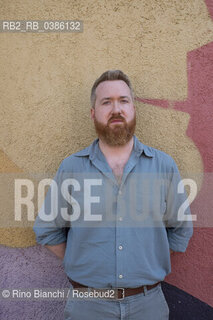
[117, 217]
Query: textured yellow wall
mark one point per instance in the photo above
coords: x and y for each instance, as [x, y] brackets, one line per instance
[46, 79]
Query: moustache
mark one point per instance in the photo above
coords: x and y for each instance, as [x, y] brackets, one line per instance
[116, 118]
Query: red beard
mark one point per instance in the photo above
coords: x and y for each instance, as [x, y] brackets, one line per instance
[119, 134]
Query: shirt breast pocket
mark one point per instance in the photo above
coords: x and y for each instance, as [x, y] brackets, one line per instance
[148, 208]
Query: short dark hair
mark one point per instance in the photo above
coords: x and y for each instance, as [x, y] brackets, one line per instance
[108, 76]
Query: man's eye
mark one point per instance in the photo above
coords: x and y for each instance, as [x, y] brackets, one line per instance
[124, 101]
[106, 102]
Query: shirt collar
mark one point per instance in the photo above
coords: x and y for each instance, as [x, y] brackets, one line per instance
[140, 148]
[93, 149]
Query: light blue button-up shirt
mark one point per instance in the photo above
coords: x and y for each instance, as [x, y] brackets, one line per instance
[117, 235]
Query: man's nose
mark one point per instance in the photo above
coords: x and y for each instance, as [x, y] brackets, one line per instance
[116, 107]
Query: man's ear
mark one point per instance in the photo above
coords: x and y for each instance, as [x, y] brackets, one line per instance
[92, 113]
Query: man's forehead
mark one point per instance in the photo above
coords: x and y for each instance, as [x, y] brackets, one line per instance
[111, 87]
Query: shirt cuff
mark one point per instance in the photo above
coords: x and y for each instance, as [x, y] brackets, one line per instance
[51, 239]
[177, 243]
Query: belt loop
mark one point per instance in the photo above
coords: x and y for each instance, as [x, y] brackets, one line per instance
[145, 290]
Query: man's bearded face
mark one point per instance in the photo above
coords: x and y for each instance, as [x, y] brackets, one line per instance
[114, 113]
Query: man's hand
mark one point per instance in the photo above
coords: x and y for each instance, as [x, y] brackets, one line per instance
[171, 251]
[58, 249]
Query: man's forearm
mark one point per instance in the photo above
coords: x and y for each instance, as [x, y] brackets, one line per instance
[58, 249]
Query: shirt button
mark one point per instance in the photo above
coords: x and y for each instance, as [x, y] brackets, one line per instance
[120, 219]
[120, 192]
[120, 247]
[120, 276]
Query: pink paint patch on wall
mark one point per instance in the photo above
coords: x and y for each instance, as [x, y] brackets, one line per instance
[199, 103]
[209, 4]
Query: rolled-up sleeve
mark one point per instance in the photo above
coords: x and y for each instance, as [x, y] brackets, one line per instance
[49, 227]
[179, 230]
